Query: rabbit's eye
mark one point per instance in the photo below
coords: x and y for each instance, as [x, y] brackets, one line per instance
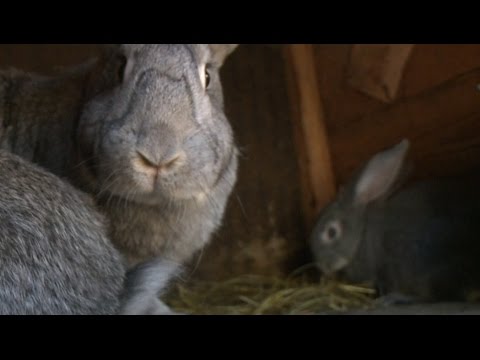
[332, 232]
[207, 78]
[204, 73]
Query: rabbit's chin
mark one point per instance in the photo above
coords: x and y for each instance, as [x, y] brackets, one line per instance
[160, 195]
[332, 266]
[170, 198]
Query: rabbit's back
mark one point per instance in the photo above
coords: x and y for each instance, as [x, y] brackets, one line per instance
[430, 239]
[55, 257]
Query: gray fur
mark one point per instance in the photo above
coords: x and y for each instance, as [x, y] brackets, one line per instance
[100, 129]
[143, 286]
[55, 255]
[421, 241]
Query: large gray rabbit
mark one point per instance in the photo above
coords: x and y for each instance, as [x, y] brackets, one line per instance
[144, 130]
[421, 243]
[55, 255]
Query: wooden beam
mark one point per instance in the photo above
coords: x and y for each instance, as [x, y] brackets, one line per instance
[377, 70]
[443, 124]
[317, 178]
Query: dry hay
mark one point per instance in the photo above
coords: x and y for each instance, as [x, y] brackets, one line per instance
[262, 295]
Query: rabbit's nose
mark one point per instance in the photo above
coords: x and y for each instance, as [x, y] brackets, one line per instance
[162, 165]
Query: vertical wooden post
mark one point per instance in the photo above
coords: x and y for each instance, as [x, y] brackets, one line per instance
[310, 133]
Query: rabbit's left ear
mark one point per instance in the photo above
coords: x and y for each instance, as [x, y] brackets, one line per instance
[221, 51]
[380, 174]
[103, 65]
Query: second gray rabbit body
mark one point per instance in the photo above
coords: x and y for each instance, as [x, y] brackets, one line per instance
[422, 241]
[55, 254]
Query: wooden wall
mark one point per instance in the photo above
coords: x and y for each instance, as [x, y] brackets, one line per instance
[437, 108]
[44, 58]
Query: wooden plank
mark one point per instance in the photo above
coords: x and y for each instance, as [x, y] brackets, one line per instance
[377, 70]
[342, 104]
[443, 124]
[432, 64]
[428, 66]
[45, 58]
[310, 131]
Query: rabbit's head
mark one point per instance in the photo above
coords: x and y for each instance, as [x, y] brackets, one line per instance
[340, 228]
[155, 128]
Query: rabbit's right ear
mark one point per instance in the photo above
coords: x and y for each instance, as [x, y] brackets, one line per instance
[102, 75]
[220, 52]
[380, 174]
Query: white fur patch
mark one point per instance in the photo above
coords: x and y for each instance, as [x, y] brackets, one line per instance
[201, 73]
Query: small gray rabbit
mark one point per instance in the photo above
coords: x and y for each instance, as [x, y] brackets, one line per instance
[419, 243]
[55, 255]
[143, 129]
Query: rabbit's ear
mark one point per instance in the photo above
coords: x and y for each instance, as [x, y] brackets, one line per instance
[106, 64]
[380, 174]
[220, 52]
